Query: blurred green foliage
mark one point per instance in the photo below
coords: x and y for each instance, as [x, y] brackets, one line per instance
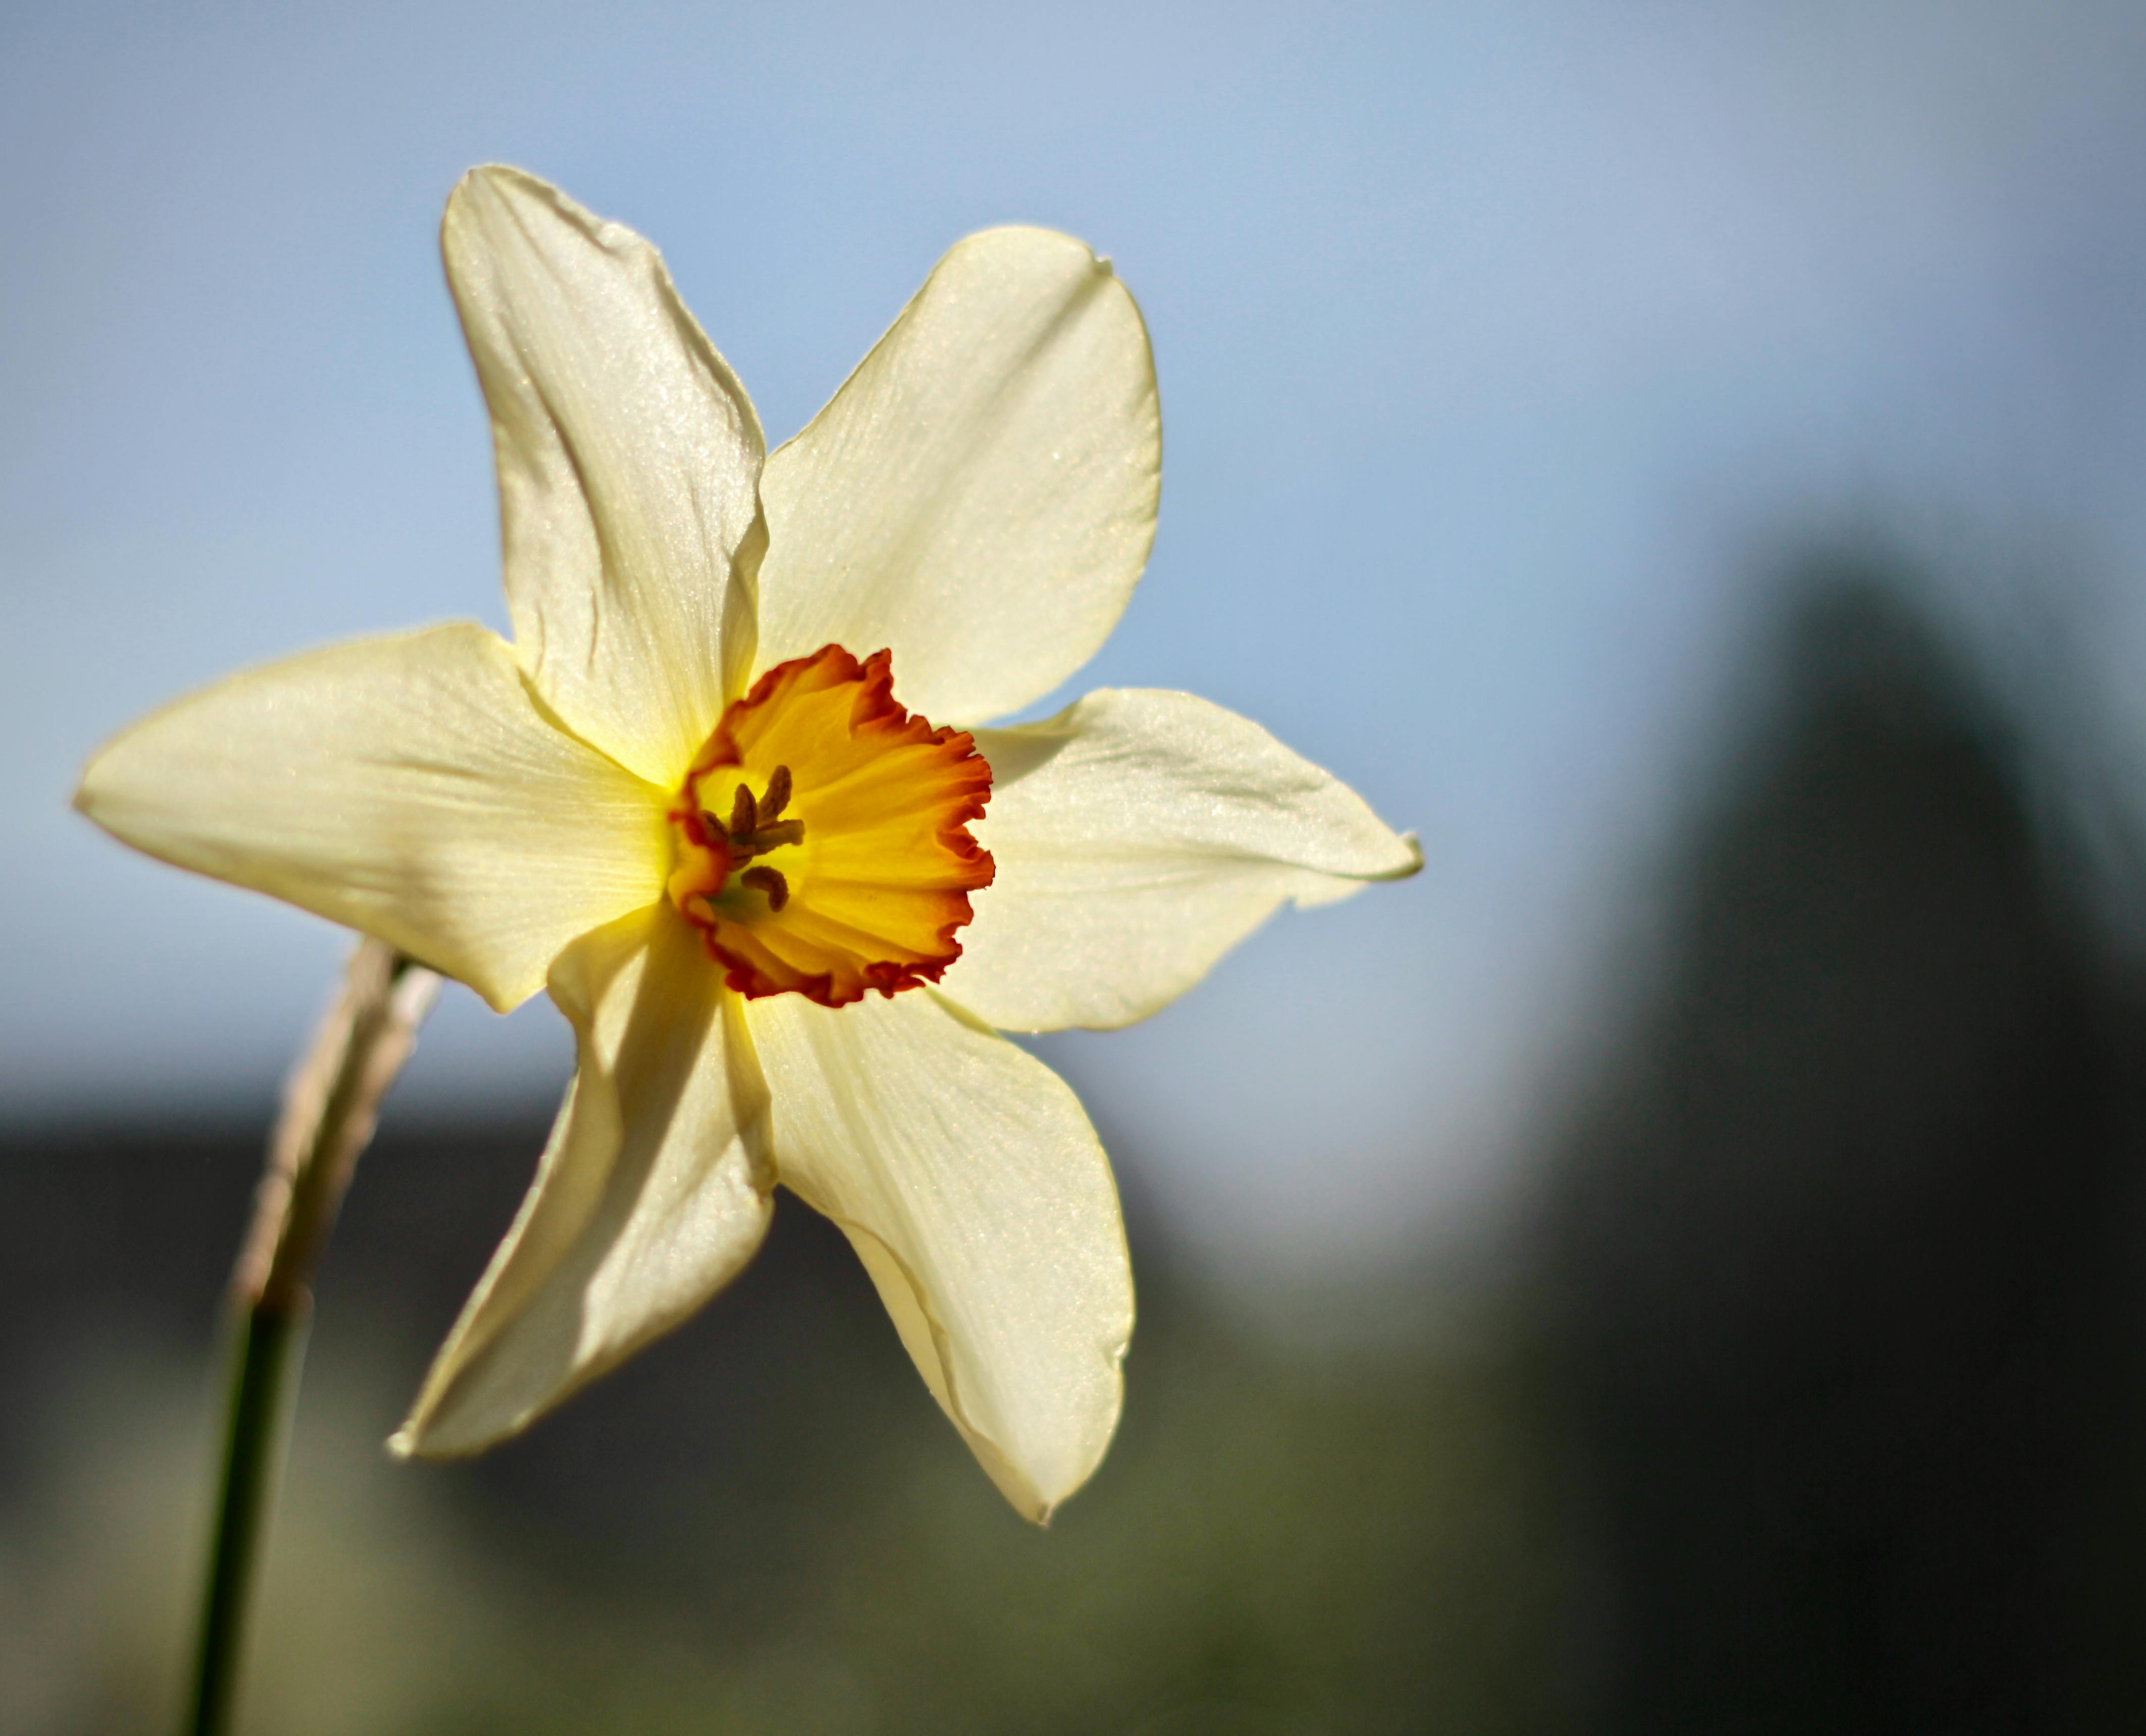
[1277, 1543]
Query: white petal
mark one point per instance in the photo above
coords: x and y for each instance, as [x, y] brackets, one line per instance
[407, 786]
[629, 460]
[1138, 836]
[980, 494]
[967, 1177]
[651, 1196]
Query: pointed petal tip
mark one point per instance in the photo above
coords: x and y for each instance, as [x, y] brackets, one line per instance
[447, 1422]
[1403, 861]
[93, 787]
[496, 174]
[416, 1440]
[1021, 1494]
[500, 184]
[1038, 1501]
[472, 183]
[440, 1428]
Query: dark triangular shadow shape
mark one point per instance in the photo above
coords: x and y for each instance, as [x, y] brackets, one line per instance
[1845, 1256]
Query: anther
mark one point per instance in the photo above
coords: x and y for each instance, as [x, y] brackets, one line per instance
[769, 881]
[777, 798]
[744, 815]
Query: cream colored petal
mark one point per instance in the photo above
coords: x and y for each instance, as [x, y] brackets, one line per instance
[651, 1196]
[629, 460]
[408, 786]
[967, 1177]
[980, 494]
[1138, 836]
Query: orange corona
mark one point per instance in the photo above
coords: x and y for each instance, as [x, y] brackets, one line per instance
[823, 842]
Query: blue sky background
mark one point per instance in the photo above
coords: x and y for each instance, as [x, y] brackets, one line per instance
[1502, 347]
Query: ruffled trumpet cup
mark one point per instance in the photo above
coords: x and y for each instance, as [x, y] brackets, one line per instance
[727, 796]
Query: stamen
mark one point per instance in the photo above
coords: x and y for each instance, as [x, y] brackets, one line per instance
[744, 817]
[784, 831]
[770, 881]
[777, 798]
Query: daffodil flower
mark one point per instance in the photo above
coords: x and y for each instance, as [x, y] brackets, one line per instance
[727, 796]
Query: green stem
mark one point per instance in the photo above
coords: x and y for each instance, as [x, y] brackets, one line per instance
[331, 1103]
[268, 1352]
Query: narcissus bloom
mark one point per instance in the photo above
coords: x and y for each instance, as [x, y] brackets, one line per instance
[727, 795]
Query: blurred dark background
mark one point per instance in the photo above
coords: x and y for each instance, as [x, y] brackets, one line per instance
[1845, 1255]
[1807, 1391]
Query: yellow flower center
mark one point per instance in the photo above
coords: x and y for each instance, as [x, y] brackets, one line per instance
[823, 844]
